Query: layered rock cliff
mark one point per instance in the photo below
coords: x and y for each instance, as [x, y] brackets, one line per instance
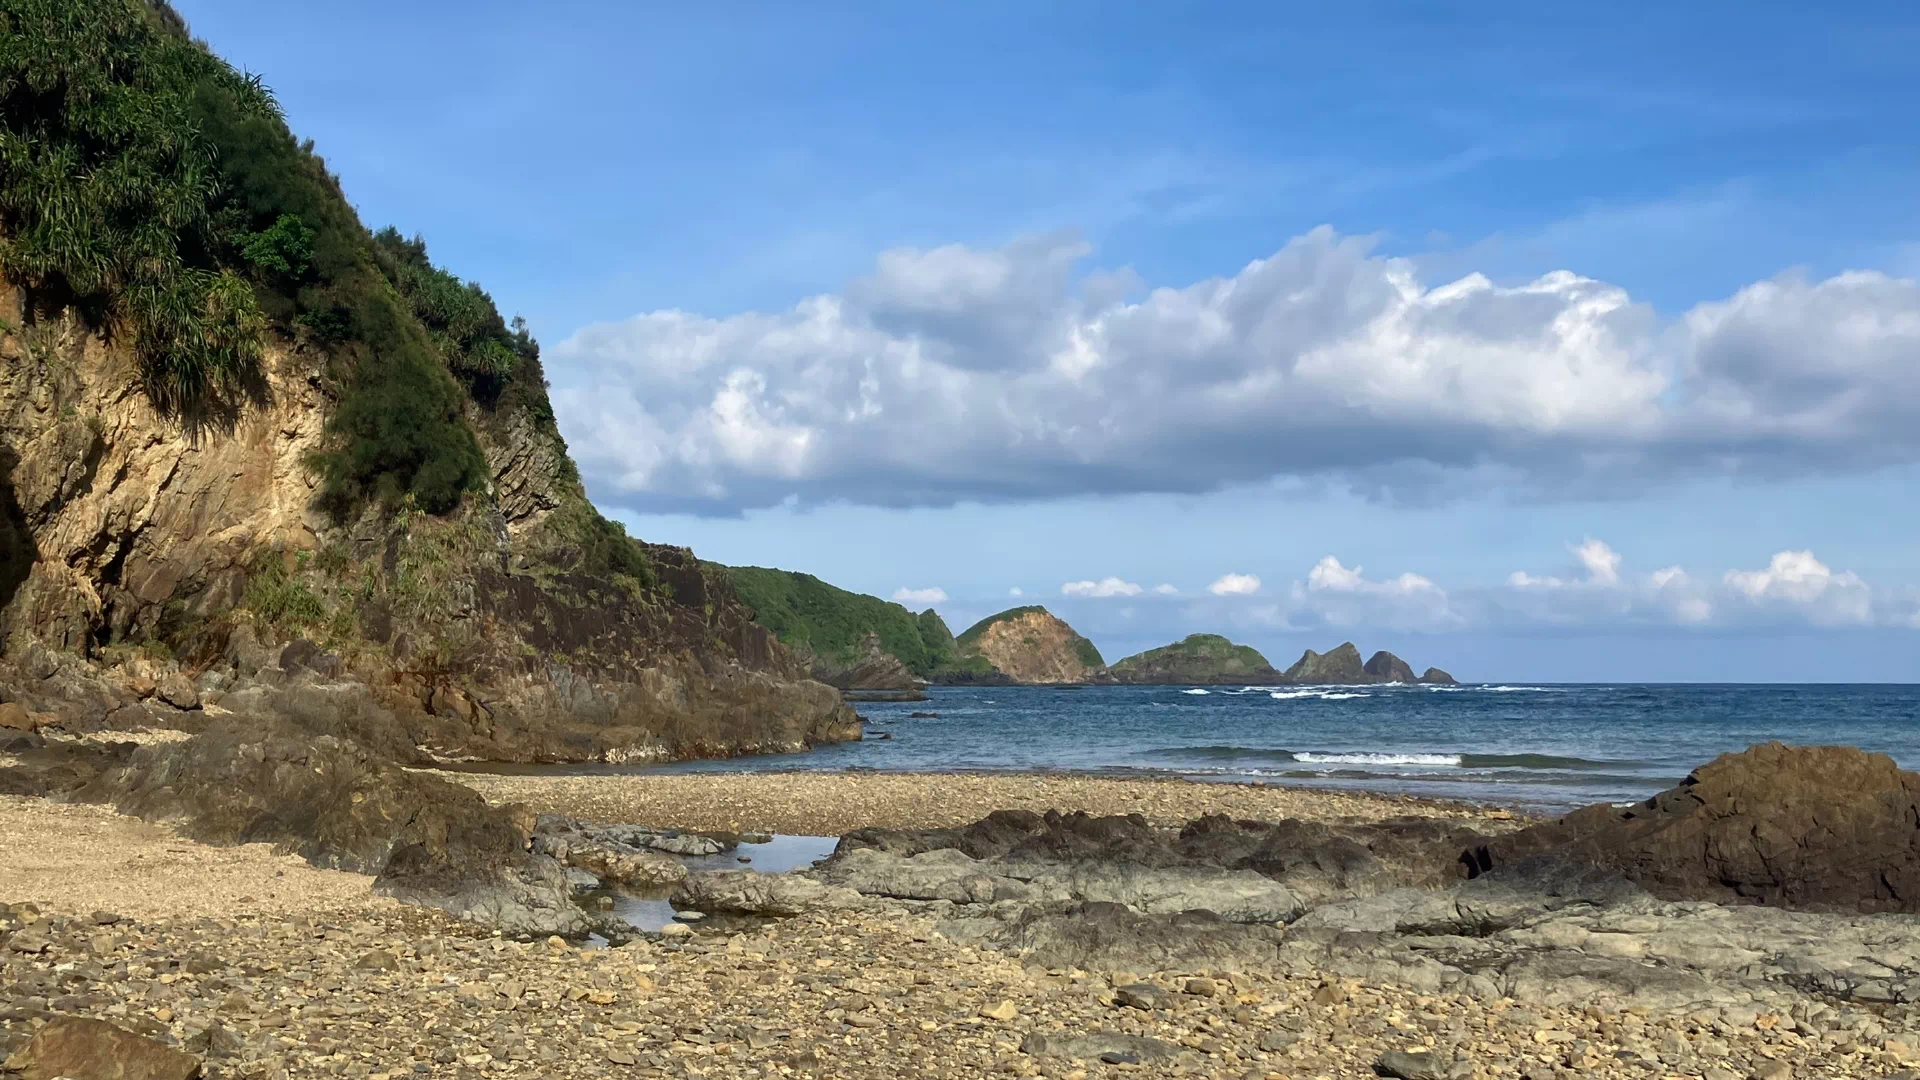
[1032, 645]
[329, 470]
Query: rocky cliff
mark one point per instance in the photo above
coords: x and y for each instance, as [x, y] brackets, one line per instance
[1196, 659]
[1032, 645]
[334, 475]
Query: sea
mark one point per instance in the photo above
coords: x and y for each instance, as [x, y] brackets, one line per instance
[1545, 747]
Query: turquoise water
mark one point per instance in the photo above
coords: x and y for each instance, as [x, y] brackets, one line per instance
[1515, 744]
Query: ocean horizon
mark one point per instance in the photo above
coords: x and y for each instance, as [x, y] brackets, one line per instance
[1531, 745]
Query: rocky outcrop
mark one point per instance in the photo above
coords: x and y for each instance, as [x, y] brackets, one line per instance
[1195, 659]
[1434, 676]
[875, 669]
[1032, 645]
[427, 840]
[1383, 666]
[1342, 665]
[1817, 828]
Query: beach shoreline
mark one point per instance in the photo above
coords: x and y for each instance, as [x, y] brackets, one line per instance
[823, 803]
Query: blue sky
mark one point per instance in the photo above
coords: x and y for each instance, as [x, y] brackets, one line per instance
[976, 297]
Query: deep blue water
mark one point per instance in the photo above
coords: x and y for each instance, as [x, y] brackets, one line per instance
[1524, 745]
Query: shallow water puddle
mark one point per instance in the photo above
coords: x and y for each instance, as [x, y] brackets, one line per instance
[651, 912]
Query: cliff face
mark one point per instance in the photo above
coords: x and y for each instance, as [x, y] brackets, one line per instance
[1032, 645]
[1198, 658]
[138, 544]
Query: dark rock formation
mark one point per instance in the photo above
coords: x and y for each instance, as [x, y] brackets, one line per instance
[338, 806]
[1314, 861]
[1435, 676]
[1383, 666]
[1819, 828]
[1342, 665]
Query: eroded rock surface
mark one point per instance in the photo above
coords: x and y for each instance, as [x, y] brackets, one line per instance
[1822, 828]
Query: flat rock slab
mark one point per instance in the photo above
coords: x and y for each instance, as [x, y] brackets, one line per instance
[1096, 1045]
[85, 1049]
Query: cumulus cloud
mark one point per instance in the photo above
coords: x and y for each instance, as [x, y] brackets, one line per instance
[1105, 587]
[1796, 580]
[1016, 591]
[1339, 596]
[1235, 585]
[922, 597]
[1795, 588]
[958, 373]
[1166, 590]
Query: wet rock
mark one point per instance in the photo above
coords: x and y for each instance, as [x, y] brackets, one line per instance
[72, 1046]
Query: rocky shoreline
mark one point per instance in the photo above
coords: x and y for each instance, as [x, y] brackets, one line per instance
[1092, 927]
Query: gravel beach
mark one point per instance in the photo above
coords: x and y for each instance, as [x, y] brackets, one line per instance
[831, 804]
[269, 968]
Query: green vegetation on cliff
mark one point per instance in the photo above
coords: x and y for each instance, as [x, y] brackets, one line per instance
[1195, 658]
[147, 184]
[829, 622]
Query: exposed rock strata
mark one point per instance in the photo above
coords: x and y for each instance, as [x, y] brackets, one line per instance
[492, 633]
[1032, 645]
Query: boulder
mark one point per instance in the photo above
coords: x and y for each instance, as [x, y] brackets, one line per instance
[73, 1046]
[1433, 676]
[14, 717]
[1817, 828]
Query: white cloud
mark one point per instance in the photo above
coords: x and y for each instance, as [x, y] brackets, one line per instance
[1016, 591]
[1794, 588]
[1235, 585]
[1797, 581]
[923, 597]
[1602, 562]
[1166, 590]
[1336, 595]
[957, 373]
[1105, 587]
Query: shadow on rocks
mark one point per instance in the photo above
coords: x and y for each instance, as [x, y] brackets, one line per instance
[340, 807]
